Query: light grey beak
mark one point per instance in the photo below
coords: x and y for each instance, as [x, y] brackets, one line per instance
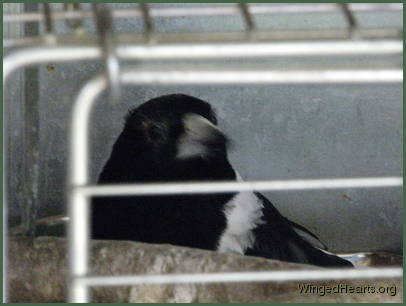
[199, 138]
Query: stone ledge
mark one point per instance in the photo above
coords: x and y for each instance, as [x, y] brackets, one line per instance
[38, 273]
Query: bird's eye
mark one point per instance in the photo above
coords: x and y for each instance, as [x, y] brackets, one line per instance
[154, 133]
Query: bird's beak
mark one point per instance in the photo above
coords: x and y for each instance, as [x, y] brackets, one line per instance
[201, 137]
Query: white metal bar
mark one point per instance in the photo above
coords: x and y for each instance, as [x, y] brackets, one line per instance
[78, 204]
[231, 277]
[236, 77]
[30, 56]
[25, 57]
[208, 11]
[258, 49]
[78, 210]
[213, 187]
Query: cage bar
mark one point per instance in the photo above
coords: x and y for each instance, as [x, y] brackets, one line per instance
[231, 277]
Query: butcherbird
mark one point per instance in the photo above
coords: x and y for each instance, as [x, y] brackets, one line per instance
[175, 138]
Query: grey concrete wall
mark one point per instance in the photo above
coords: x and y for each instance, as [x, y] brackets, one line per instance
[278, 132]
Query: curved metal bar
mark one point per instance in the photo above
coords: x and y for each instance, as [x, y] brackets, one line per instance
[78, 203]
[38, 55]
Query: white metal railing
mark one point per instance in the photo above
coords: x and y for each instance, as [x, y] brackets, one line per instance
[231, 277]
[210, 187]
[54, 50]
[37, 55]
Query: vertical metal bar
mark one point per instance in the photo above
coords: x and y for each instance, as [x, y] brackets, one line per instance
[79, 203]
[350, 18]
[148, 24]
[79, 245]
[248, 19]
[104, 24]
[73, 7]
[49, 27]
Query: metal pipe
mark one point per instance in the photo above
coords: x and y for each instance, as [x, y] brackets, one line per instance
[79, 233]
[248, 19]
[209, 11]
[105, 28]
[49, 25]
[147, 20]
[352, 23]
[349, 16]
[78, 203]
[217, 187]
[31, 56]
[73, 7]
[236, 77]
[280, 49]
[231, 277]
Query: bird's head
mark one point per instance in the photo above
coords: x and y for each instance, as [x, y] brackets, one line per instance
[174, 128]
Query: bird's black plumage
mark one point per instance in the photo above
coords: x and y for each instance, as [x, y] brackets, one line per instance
[174, 138]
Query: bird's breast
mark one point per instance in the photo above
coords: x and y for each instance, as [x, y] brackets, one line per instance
[243, 214]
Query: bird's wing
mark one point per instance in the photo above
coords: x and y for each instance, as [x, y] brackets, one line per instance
[279, 238]
[307, 235]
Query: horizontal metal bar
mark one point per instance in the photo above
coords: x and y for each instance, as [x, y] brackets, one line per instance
[38, 55]
[236, 77]
[242, 277]
[280, 49]
[207, 11]
[33, 56]
[216, 187]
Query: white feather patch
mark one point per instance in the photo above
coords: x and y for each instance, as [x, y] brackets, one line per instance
[243, 214]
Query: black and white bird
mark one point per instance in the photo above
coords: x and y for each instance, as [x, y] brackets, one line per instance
[175, 138]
